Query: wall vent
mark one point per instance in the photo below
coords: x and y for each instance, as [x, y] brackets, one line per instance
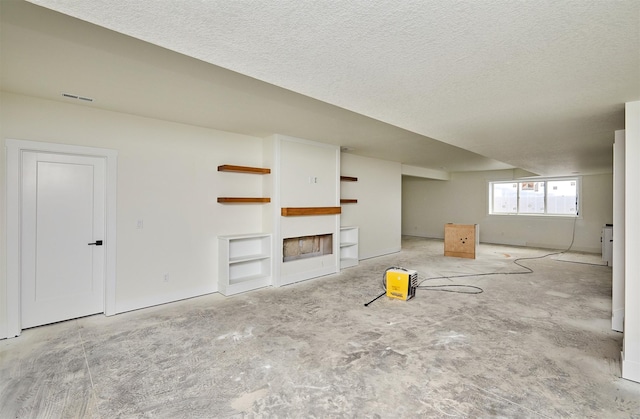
[72, 96]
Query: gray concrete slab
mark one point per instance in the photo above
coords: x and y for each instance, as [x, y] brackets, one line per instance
[531, 345]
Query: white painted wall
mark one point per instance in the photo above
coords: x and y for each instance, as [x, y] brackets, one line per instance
[617, 274]
[4, 330]
[167, 176]
[378, 211]
[631, 345]
[429, 204]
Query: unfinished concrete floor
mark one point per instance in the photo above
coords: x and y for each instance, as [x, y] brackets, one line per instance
[530, 346]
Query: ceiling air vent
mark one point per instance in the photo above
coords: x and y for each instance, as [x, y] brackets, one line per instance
[72, 96]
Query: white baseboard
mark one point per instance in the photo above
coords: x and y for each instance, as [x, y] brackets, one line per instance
[617, 320]
[154, 300]
[381, 252]
[630, 370]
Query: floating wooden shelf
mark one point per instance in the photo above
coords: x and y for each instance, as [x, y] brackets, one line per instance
[229, 200]
[348, 179]
[348, 201]
[291, 211]
[244, 169]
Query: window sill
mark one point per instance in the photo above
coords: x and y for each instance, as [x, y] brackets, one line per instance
[562, 216]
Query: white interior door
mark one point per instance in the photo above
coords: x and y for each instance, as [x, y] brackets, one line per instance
[62, 222]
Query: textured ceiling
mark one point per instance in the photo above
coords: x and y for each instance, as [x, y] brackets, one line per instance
[45, 53]
[539, 85]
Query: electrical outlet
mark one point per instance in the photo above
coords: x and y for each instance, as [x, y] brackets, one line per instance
[140, 224]
[166, 277]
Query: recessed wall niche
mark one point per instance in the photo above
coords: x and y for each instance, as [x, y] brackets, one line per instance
[295, 248]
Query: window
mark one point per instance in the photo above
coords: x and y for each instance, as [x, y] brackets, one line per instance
[539, 197]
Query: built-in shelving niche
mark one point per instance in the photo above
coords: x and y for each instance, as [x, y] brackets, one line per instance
[244, 262]
[348, 246]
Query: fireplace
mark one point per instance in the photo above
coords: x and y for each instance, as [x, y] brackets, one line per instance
[304, 247]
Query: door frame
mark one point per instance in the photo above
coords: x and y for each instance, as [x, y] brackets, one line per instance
[14, 150]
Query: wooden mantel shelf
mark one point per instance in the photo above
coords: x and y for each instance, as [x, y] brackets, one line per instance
[348, 179]
[244, 169]
[230, 200]
[348, 201]
[292, 211]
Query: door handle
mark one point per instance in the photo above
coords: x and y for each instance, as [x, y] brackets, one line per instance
[97, 243]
